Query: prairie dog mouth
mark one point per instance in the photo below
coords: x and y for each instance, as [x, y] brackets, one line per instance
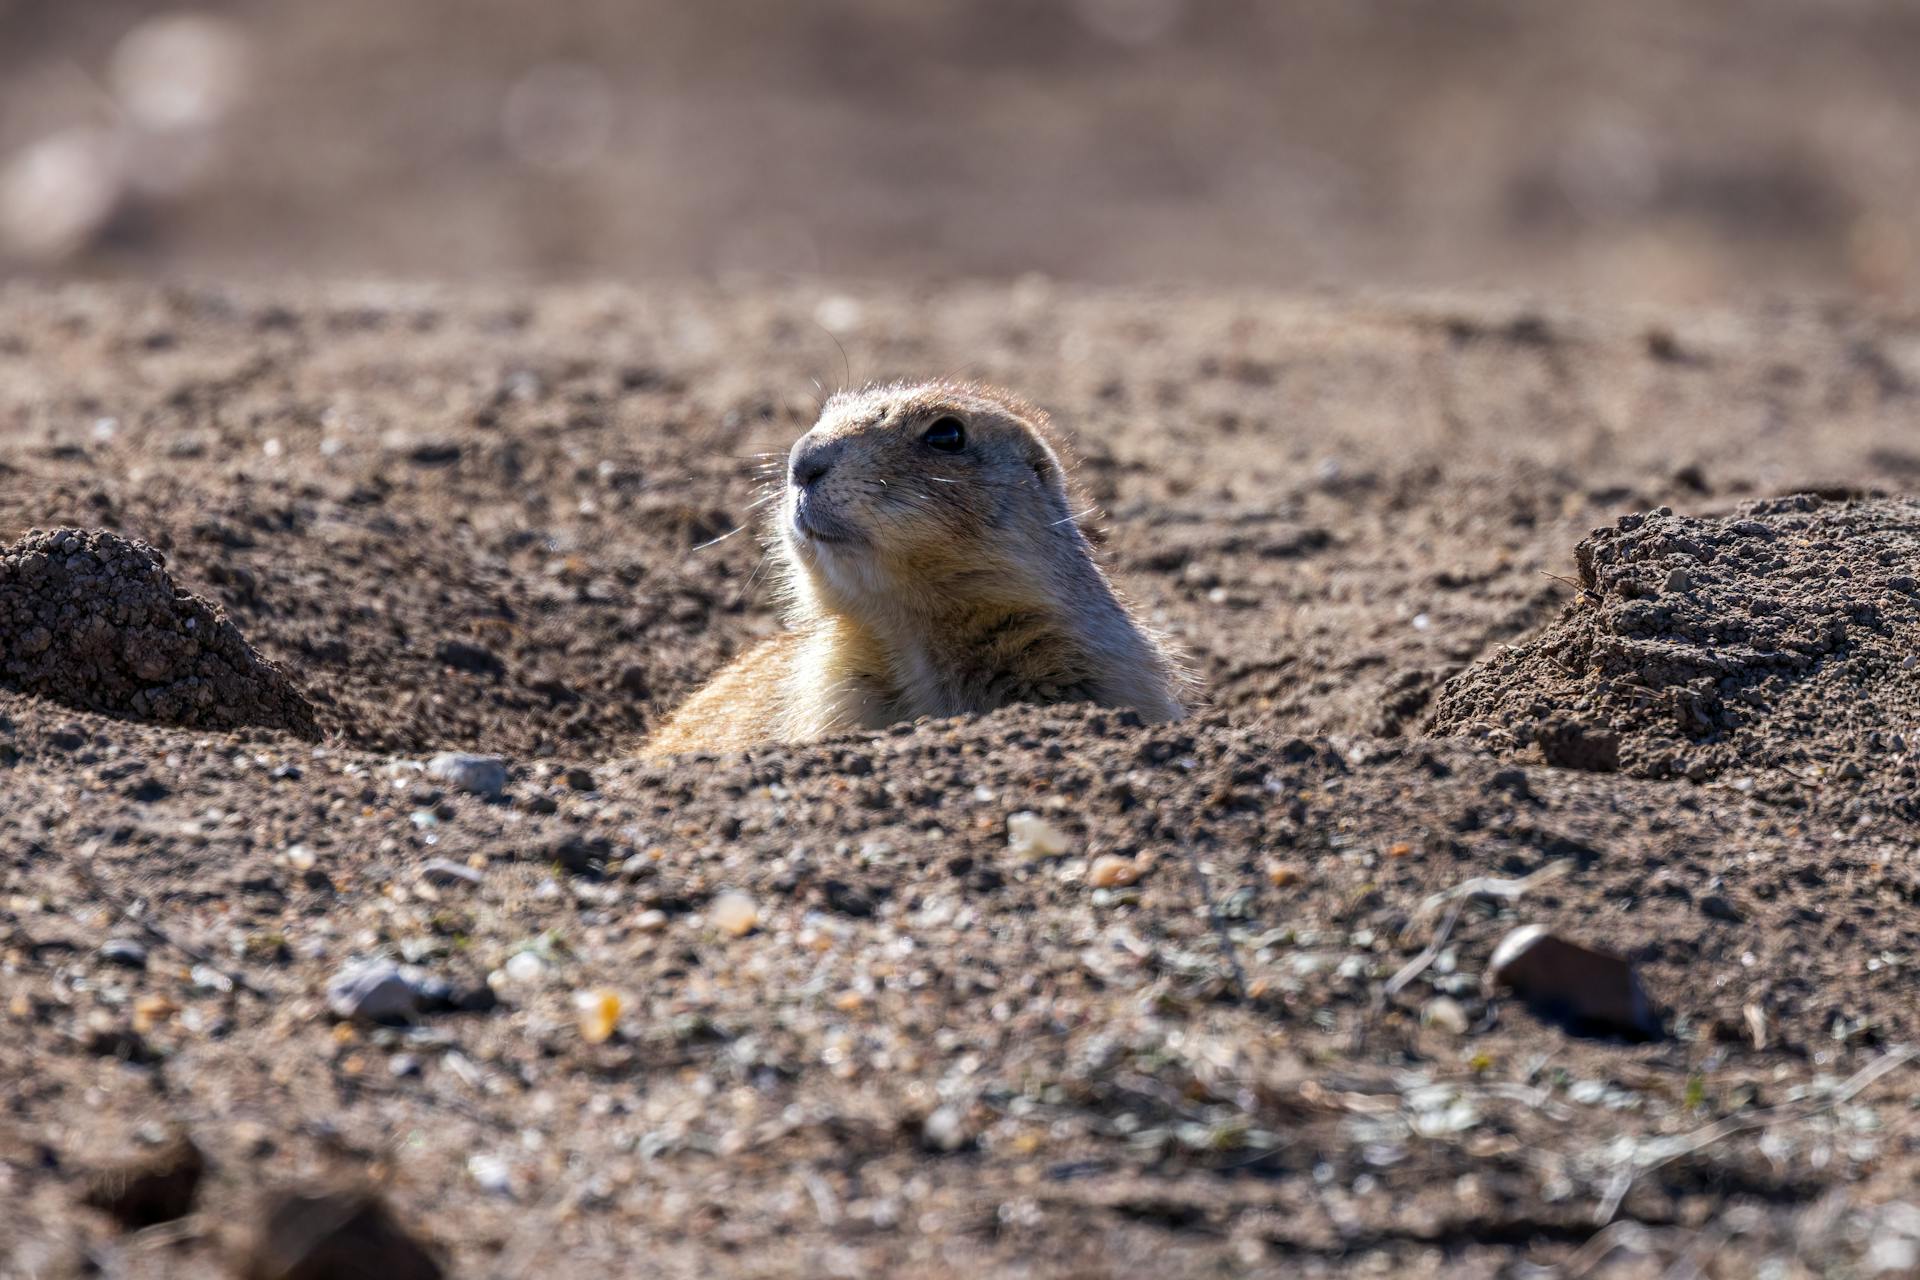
[808, 524]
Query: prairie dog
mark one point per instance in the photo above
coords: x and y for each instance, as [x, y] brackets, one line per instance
[933, 565]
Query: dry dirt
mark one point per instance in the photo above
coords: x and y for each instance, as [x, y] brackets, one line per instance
[92, 619]
[484, 522]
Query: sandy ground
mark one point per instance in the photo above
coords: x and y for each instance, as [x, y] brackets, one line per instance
[478, 521]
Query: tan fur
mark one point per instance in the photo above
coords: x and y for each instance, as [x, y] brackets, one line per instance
[927, 583]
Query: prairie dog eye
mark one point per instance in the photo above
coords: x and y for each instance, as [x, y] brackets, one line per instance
[948, 435]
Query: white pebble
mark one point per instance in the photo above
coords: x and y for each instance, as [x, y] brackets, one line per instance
[1031, 836]
[491, 1174]
[525, 966]
[734, 914]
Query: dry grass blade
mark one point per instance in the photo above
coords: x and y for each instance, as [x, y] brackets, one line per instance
[1489, 887]
[1658, 1154]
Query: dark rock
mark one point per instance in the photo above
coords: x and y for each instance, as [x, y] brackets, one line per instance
[433, 453]
[579, 855]
[1588, 990]
[846, 899]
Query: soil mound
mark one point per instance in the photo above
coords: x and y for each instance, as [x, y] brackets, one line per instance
[1782, 635]
[92, 620]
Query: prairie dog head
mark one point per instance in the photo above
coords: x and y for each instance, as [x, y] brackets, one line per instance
[905, 496]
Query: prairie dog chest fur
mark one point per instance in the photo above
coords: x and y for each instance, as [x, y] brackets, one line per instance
[932, 564]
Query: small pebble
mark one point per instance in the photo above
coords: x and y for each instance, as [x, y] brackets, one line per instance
[1109, 871]
[491, 1174]
[403, 1066]
[1574, 983]
[734, 914]
[944, 1130]
[599, 1012]
[652, 920]
[525, 966]
[1031, 836]
[480, 775]
[1283, 874]
[300, 858]
[381, 991]
[124, 951]
[208, 978]
[150, 1011]
[445, 874]
[1445, 1014]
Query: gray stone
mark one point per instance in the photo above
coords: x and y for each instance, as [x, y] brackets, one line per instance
[381, 991]
[480, 775]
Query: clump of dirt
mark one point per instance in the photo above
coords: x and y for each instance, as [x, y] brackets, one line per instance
[91, 619]
[1782, 635]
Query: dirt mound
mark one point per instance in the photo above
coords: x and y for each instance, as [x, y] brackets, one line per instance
[92, 619]
[1782, 635]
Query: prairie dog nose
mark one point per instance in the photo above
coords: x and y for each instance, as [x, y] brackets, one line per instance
[811, 460]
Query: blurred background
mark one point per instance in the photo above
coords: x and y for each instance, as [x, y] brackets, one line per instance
[1633, 148]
